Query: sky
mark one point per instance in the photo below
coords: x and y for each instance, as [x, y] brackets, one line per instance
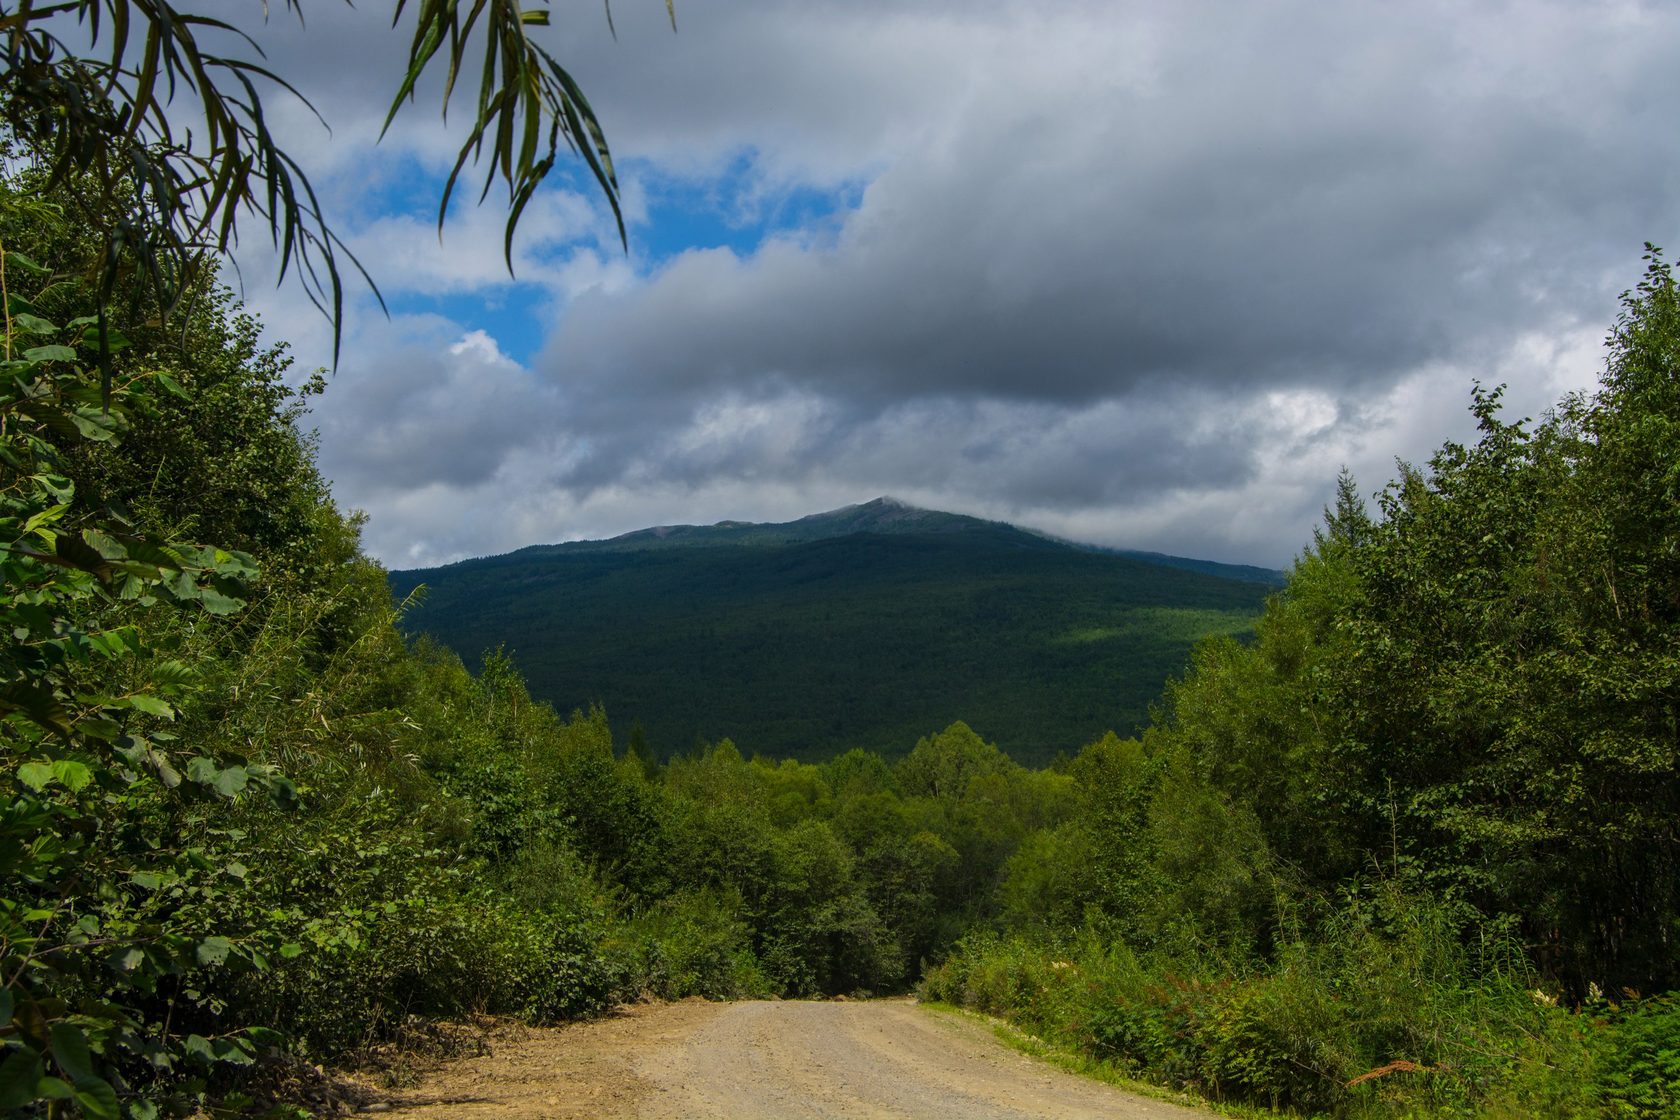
[1145, 275]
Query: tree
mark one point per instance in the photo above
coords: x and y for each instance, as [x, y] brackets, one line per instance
[89, 86]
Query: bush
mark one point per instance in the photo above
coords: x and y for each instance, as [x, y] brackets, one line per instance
[1637, 1073]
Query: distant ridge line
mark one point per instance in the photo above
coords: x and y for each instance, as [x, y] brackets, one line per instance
[883, 514]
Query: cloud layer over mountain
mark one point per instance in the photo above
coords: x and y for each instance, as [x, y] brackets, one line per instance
[1139, 274]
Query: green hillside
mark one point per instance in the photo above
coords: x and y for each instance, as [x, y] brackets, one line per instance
[868, 626]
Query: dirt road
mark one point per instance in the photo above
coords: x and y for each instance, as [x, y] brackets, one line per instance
[775, 1061]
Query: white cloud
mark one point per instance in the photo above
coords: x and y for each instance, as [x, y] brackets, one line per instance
[1136, 274]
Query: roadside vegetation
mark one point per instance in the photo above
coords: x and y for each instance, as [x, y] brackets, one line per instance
[1410, 851]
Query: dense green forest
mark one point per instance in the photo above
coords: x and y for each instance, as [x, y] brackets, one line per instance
[863, 627]
[1409, 851]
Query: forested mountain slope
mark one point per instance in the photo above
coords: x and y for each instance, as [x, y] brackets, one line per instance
[864, 626]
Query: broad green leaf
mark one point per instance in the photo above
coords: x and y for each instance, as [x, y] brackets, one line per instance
[213, 950]
[61, 488]
[167, 774]
[52, 353]
[217, 603]
[93, 424]
[50, 514]
[36, 775]
[15, 259]
[73, 775]
[127, 960]
[151, 705]
[19, 1074]
[291, 949]
[233, 1051]
[202, 770]
[199, 1046]
[54, 1089]
[33, 324]
[97, 1098]
[231, 782]
[70, 1051]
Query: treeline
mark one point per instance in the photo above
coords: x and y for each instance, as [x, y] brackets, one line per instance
[1410, 851]
[1415, 849]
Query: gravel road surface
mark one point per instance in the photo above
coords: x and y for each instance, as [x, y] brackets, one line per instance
[768, 1061]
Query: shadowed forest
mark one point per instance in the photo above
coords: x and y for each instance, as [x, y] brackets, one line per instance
[863, 627]
[1408, 851]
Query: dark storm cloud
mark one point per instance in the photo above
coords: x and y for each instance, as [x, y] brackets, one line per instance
[1111, 260]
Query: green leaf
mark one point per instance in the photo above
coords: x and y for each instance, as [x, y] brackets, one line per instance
[151, 705]
[35, 775]
[33, 324]
[291, 949]
[54, 1089]
[94, 424]
[127, 960]
[199, 1046]
[233, 1051]
[202, 770]
[19, 1074]
[217, 603]
[167, 774]
[146, 880]
[36, 702]
[70, 1051]
[213, 950]
[231, 782]
[73, 775]
[53, 353]
[97, 1098]
[15, 259]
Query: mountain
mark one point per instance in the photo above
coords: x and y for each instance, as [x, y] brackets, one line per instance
[883, 515]
[870, 625]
